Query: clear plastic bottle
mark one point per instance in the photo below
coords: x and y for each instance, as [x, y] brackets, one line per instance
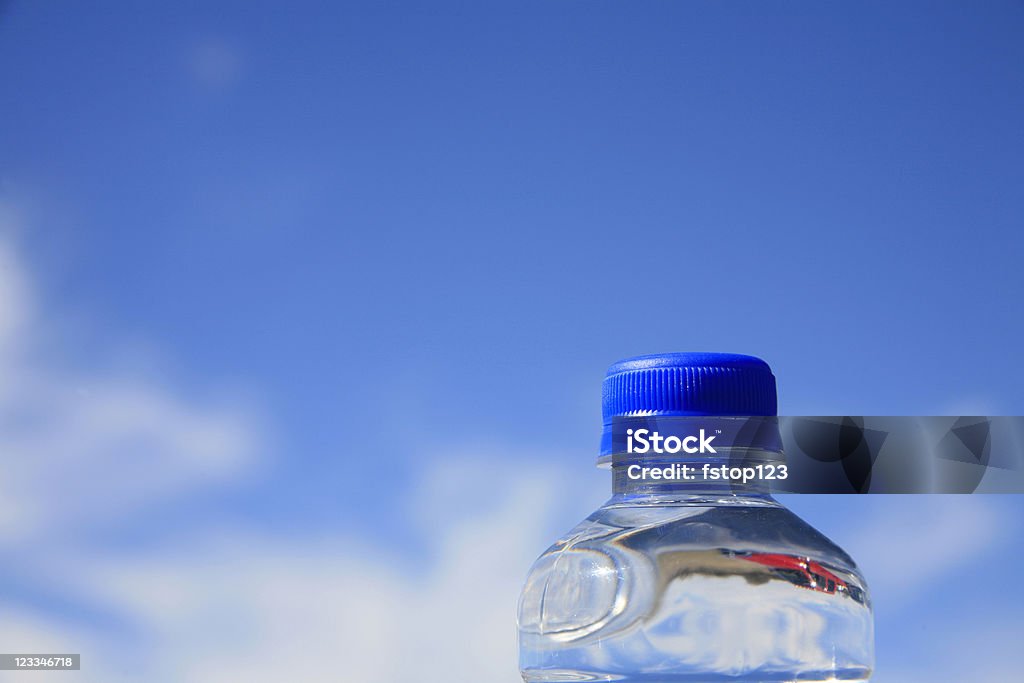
[695, 581]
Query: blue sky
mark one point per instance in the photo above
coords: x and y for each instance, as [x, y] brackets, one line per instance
[334, 249]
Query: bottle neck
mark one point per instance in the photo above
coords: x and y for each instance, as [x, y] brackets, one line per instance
[736, 475]
[694, 458]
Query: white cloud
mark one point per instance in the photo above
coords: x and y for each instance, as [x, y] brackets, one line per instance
[239, 606]
[908, 544]
[972, 649]
[84, 449]
[81, 448]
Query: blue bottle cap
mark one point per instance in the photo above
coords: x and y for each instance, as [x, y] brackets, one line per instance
[713, 384]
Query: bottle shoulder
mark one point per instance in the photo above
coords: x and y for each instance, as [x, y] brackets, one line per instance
[654, 579]
[728, 528]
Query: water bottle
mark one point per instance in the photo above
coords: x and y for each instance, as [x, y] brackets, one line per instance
[698, 579]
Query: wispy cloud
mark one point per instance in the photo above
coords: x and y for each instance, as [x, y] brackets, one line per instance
[909, 544]
[246, 606]
[80, 446]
